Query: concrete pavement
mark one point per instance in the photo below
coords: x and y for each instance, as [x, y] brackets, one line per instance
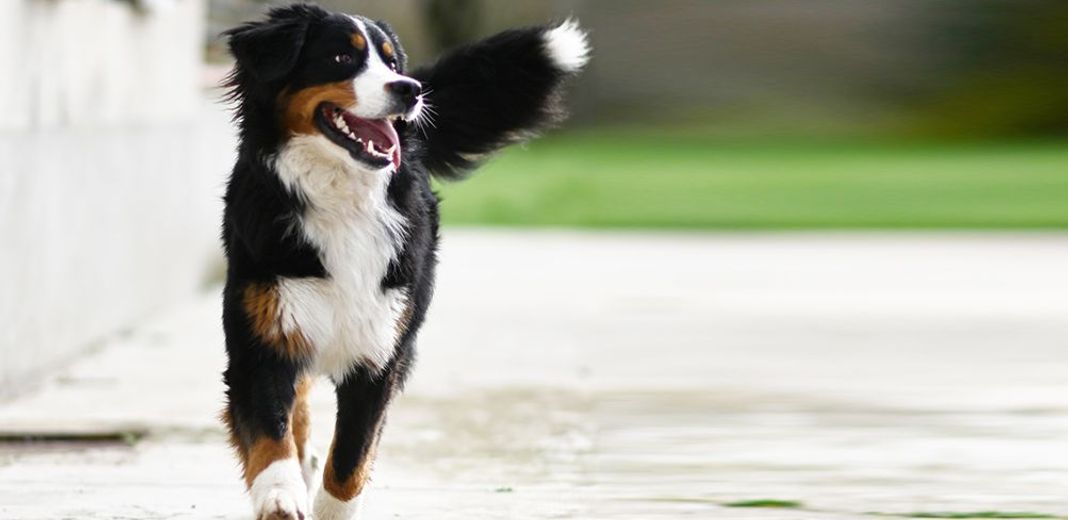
[586, 375]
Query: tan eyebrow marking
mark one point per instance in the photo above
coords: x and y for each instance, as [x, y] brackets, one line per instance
[387, 49]
[359, 41]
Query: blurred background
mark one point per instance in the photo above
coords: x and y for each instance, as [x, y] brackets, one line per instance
[793, 145]
[694, 114]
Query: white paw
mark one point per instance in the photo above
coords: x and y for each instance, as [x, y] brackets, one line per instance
[279, 493]
[568, 46]
[329, 508]
[310, 468]
[280, 504]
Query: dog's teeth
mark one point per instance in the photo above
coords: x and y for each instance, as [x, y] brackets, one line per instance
[391, 150]
[373, 149]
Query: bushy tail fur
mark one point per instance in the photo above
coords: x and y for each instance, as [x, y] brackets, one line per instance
[496, 92]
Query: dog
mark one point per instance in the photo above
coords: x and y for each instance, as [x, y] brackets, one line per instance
[330, 225]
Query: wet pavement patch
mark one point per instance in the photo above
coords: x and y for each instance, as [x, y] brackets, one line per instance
[980, 514]
[124, 436]
[766, 502]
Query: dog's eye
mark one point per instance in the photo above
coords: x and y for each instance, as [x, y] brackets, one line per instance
[343, 58]
[393, 66]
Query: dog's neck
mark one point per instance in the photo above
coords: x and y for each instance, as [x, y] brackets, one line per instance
[315, 170]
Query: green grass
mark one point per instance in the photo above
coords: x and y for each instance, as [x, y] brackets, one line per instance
[627, 180]
[981, 514]
[766, 502]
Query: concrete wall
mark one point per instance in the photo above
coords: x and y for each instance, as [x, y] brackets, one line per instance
[111, 168]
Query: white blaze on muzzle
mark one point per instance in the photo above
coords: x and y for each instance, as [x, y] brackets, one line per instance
[374, 98]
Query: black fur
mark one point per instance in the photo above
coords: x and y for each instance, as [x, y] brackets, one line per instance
[484, 96]
[487, 95]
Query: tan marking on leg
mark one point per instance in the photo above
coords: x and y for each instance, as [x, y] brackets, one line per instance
[262, 307]
[352, 486]
[298, 107]
[302, 416]
[266, 451]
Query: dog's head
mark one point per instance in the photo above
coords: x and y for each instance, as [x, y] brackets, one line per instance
[331, 75]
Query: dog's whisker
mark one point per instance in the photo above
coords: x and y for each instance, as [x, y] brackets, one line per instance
[429, 111]
[424, 122]
[426, 117]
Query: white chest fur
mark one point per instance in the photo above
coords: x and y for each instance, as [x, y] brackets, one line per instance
[346, 317]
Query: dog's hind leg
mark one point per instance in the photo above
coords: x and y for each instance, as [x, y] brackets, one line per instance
[362, 399]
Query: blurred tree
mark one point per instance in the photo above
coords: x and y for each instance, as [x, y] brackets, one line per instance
[1007, 73]
[452, 22]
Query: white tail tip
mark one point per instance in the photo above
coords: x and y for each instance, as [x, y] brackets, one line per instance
[568, 46]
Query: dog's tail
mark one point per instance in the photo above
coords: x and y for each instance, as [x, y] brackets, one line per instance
[496, 92]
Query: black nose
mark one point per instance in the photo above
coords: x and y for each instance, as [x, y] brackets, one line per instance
[406, 91]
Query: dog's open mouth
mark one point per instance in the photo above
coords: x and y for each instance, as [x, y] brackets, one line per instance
[373, 141]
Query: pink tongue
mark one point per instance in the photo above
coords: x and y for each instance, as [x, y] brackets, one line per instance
[392, 133]
[384, 126]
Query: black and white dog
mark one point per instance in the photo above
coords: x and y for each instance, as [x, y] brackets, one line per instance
[331, 226]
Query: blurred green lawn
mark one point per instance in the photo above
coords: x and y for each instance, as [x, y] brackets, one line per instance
[626, 180]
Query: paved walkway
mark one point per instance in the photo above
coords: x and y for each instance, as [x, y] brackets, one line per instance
[632, 376]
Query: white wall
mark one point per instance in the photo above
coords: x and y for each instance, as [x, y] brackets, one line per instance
[98, 62]
[111, 170]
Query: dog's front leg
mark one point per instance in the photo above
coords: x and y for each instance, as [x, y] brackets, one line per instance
[259, 414]
[362, 399]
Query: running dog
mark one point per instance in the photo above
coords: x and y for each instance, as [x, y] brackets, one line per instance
[331, 227]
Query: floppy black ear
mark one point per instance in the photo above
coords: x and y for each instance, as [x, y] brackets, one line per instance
[268, 50]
